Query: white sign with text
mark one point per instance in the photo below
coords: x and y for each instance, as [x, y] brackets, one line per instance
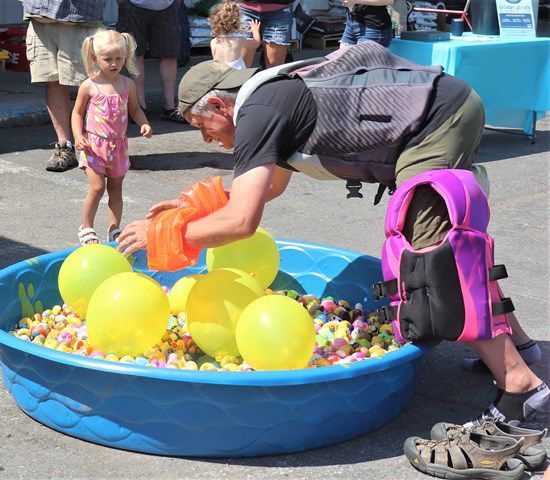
[517, 17]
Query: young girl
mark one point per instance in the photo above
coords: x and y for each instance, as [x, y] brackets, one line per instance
[229, 44]
[367, 20]
[99, 122]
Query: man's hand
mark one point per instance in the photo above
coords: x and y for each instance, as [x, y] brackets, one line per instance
[133, 237]
[165, 205]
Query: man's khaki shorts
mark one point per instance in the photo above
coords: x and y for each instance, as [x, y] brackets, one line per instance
[452, 145]
[54, 52]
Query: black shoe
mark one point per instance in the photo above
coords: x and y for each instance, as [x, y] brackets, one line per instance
[172, 115]
[62, 159]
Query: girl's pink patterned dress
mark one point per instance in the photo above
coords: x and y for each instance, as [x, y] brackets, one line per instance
[105, 125]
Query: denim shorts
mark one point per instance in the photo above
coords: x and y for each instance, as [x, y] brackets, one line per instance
[357, 32]
[275, 26]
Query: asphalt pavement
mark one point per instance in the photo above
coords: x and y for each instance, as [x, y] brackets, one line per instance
[40, 212]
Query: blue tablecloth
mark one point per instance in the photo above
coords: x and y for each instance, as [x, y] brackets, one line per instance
[512, 76]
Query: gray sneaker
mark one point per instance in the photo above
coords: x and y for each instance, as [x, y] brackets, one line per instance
[62, 159]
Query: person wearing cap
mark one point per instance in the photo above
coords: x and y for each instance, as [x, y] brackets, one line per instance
[267, 117]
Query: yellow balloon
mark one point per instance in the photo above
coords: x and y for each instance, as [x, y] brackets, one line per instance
[180, 292]
[275, 333]
[84, 269]
[128, 314]
[257, 255]
[214, 306]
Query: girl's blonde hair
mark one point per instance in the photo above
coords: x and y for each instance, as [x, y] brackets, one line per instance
[225, 18]
[94, 44]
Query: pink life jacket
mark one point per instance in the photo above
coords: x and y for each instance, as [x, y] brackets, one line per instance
[448, 291]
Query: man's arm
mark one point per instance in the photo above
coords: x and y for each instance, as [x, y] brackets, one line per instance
[242, 214]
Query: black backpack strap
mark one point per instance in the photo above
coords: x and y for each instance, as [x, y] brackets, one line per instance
[381, 189]
[504, 306]
[497, 272]
[354, 187]
[383, 289]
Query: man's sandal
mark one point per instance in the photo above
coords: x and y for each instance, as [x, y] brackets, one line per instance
[466, 455]
[114, 234]
[87, 236]
[532, 453]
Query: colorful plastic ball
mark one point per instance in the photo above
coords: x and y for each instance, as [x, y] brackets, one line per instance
[257, 255]
[127, 315]
[275, 333]
[214, 306]
[84, 270]
[180, 292]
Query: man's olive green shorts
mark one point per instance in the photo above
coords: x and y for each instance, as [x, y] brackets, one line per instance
[452, 145]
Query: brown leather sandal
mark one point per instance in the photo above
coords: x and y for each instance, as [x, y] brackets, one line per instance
[466, 455]
[532, 453]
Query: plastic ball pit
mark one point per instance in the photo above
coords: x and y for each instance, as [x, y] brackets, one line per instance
[201, 413]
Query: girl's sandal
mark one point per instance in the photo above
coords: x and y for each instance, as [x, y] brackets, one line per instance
[532, 452]
[466, 455]
[87, 236]
[114, 234]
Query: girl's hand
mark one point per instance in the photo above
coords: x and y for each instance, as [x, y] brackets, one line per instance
[81, 142]
[348, 3]
[254, 27]
[146, 130]
[166, 205]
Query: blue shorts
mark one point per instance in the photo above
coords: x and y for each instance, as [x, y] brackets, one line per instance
[275, 26]
[357, 32]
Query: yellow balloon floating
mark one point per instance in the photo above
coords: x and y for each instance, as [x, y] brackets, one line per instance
[257, 255]
[214, 306]
[128, 314]
[180, 292]
[275, 333]
[84, 270]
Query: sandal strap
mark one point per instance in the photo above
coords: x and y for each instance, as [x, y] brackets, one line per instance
[458, 460]
[114, 233]
[87, 234]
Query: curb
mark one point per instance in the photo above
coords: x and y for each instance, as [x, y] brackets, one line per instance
[23, 116]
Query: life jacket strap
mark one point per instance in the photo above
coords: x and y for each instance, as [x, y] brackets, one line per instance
[497, 272]
[383, 289]
[503, 307]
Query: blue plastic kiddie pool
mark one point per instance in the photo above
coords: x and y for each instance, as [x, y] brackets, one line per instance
[202, 413]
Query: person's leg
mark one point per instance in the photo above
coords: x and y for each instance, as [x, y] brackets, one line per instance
[276, 36]
[43, 45]
[164, 43]
[453, 145]
[136, 20]
[275, 54]
[140, 81]
[96, 189]
[59, 108]
[185, 48]
[115, 204]
[248, 15]
[508, 368]
[168, 71]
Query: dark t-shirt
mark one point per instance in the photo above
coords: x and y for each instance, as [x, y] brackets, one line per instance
[273, 123]
[377, 18]
[278, 118]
